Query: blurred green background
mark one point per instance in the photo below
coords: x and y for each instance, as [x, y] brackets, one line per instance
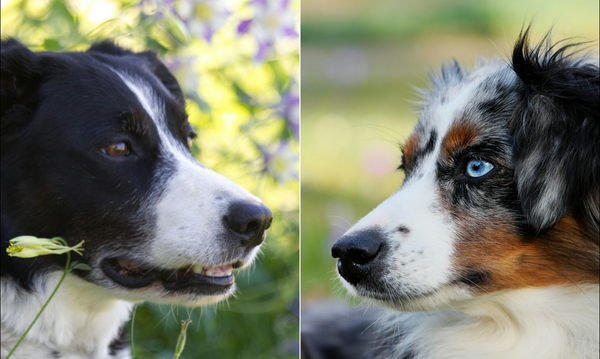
[360, 61]
[237, 62]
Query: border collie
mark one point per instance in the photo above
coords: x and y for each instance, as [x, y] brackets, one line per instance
[491, 243]
[95, 147]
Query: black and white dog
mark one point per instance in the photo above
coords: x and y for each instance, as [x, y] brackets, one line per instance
[95, 147]
[492, 241]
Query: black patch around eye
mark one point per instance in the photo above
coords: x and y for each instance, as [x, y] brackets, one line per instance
[431, 143]
[419, 153]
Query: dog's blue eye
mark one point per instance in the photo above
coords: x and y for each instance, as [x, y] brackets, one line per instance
[478, 168]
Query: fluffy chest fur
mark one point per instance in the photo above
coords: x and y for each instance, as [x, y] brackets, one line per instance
[549, 323]
[81, 321]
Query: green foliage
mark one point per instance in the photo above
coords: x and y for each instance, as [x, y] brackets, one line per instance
[241, 88]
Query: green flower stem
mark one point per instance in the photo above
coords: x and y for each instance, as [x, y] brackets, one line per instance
[67, 271]
[181, 339]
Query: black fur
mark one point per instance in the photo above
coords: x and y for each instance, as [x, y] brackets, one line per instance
[556, 130]
[120, 343]
[55, 182]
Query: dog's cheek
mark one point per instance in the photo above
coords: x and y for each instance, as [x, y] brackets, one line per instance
[485, 254]
[189, 216]
[188, 219]
[419, 237]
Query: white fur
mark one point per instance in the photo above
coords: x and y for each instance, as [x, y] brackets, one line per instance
[189, 210]
[559, 322]
[80, 321]
[420, 260]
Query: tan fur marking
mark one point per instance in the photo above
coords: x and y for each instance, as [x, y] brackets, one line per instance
[409, 149]
[459, 137]
[565, 254]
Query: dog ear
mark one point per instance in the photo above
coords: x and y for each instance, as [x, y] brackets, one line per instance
[164, 75]
[20, 76]
[556, 131]
[110, 48]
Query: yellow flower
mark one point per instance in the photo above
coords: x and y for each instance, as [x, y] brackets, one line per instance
[30, 246]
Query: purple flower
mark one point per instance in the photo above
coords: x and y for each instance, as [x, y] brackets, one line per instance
[282, 163]
[272, 21]
[203, 18]
[290, 109]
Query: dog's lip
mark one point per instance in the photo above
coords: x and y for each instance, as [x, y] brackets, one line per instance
[132, 274]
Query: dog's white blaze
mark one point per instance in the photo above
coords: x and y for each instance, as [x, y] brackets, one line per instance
[420, 261]
[154, 107]
[190, 217]
[421, 258]
[193, 202]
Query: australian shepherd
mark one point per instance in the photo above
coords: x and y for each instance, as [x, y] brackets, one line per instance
[95, 147]
[490, 248]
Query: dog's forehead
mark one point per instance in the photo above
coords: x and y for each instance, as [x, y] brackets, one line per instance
[481, 100]
[115, 95]
[157, 108]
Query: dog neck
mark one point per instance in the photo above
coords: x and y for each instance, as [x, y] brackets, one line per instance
[551, 322]
[81, 320]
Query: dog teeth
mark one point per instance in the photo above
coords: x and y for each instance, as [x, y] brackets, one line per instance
[218, 271]
[223, 271]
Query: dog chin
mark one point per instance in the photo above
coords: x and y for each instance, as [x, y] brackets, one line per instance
[446, 297]
[158, 295]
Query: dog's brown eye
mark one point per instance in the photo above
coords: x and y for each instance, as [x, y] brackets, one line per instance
[189, 142]
[119, 149]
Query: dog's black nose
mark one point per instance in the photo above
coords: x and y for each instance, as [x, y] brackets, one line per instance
[356, 253]
[249, 221]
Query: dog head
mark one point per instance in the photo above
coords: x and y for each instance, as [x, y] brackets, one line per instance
[501, 187]
[95, 148]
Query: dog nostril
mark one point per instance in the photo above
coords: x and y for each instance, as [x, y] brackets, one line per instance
[356, 252]
[362, 256]
[248, 222]
[252, 227]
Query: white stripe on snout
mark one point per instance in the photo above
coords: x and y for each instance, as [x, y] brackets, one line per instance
[193, 201]
[420, 261]
[443, 117]
[155, 108]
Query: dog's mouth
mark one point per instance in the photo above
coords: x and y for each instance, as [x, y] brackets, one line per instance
[208, 280]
